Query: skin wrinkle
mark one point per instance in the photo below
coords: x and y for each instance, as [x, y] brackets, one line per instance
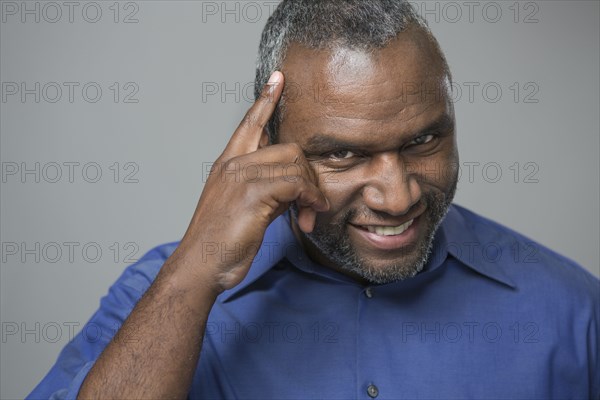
[347, 91]
[351, 87]
[334, 113]
[382, 120]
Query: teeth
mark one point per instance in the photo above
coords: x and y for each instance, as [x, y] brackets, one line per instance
[390, 230]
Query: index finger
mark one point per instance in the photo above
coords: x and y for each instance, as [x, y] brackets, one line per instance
[247, 136]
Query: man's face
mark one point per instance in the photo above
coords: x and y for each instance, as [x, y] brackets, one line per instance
[378, 129]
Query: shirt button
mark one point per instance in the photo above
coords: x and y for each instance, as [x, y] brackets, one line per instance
[372, 391]
[369, 292]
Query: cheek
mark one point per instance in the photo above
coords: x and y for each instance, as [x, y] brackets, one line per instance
[340, 189]
[439, 171]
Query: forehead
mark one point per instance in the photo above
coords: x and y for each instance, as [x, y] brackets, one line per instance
[393, 89]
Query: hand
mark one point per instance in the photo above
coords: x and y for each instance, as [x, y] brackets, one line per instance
[249, 186]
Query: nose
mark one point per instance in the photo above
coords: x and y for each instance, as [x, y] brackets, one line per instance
[390, 188]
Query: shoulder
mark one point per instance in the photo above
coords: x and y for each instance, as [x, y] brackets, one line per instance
[528, 263]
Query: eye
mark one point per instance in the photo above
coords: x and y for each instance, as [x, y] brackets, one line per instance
[423, 139]
[341, 155]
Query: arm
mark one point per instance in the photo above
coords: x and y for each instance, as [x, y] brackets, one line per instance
[168, 322]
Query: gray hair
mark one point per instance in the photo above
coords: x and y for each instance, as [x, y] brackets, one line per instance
[324, 24]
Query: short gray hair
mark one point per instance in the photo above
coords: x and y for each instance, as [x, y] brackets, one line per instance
[324, 24]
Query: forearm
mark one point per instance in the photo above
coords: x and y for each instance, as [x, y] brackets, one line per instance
[163, 334]
[155, 353]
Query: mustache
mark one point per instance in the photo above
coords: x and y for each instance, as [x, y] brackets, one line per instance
[427, 201]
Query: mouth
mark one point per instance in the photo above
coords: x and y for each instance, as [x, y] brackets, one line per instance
[387, 237]
[388, 230]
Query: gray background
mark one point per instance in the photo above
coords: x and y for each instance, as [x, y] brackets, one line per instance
[178, 49]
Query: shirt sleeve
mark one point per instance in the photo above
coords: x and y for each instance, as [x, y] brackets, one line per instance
[65, 378]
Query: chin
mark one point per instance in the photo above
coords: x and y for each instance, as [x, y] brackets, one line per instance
[386, 270]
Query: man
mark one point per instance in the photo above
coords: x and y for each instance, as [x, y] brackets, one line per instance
[337, 267]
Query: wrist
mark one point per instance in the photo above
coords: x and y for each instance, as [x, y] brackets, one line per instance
[185, 272]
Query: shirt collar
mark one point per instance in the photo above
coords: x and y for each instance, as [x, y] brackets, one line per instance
[465, 244]
[455, 237]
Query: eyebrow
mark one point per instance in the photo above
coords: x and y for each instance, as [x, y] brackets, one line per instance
[324, 143]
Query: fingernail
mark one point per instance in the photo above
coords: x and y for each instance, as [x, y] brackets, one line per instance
[275, 78]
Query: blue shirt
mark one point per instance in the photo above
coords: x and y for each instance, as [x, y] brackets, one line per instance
[492, 315]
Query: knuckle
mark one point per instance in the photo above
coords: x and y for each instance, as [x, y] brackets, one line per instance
[293, 151]
[250, 120]
[223, 157]
[296, 148]
[229, 163]
[293, 179]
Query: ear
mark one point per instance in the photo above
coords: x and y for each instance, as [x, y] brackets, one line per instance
[264, 139]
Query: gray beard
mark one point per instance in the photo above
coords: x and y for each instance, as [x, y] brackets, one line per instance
[334, 243]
